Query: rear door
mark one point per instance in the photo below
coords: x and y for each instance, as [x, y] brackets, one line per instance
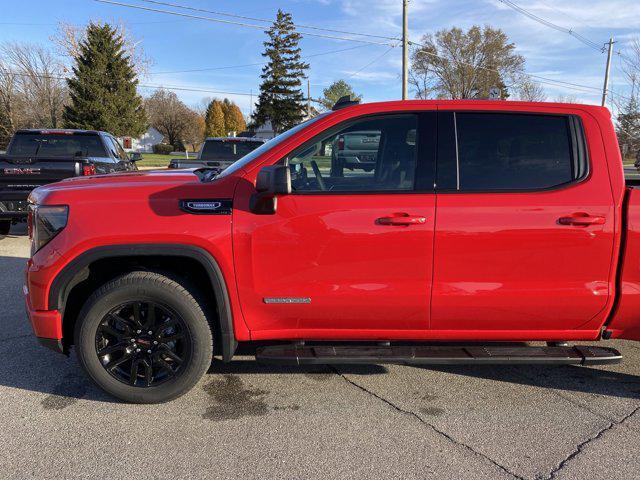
[525, 223]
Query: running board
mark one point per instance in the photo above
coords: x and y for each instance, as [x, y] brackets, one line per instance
[437, 355]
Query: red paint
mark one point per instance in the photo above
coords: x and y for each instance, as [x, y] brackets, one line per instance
[411, 266]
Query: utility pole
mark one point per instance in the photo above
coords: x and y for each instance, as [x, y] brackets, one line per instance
[308, 98]
[605, 89]
[405, 47]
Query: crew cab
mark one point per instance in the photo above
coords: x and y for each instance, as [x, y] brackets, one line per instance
[219, 152]
[36, 157]
[483, 222]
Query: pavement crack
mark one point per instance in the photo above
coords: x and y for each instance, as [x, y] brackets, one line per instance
[432, 427]
[581, 446]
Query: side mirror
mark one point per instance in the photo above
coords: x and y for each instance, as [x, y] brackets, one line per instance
[274, 180]
[135, 157]
[271, 181]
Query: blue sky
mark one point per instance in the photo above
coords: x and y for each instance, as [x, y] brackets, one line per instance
[174, 43]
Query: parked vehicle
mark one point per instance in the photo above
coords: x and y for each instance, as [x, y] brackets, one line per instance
[354, 150]
[38, 157]
[480, 222]
[219, 152]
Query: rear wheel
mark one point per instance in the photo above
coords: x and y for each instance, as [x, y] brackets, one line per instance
[5, 226]
[144, 338]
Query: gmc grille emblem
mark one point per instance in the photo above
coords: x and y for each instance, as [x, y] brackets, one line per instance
[22, 171]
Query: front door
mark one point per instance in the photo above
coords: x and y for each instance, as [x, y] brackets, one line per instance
[524, 224]
[349, 252]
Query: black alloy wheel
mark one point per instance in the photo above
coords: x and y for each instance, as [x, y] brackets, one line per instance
[144, 337]
[142, 344]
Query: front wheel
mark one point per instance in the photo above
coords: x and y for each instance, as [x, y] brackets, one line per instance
[144, 338]
[5, 227]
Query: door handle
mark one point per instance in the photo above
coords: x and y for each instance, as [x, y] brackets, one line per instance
[401, 219]
[582, 220]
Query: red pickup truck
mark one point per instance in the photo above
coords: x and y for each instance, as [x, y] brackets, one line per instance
[481, 223]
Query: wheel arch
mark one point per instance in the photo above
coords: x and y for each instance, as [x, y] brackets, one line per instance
[78, 270]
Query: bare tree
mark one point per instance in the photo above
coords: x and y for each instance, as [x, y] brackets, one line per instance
[458, 64]
[194, 132]
[68, 38]
[168, 115]
[566, 99]
[10, 103]
[530, 91]
[39, 83]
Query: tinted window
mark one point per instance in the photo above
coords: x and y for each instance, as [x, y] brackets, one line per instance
[119, 151]
[265, 147]
[227, 149]
[513, 151]
[373, 154]
[56, 145]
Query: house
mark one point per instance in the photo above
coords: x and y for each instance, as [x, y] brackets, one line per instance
[143, 144]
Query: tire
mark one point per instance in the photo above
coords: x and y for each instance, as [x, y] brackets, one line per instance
[5, 227]
[180, 330]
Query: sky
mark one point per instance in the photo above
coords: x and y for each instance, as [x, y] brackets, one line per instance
[175, 44]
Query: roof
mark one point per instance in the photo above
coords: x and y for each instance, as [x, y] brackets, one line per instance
[60, 131]
[236, 139]
[496, 105]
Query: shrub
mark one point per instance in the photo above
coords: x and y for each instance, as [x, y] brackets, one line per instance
[163, 149]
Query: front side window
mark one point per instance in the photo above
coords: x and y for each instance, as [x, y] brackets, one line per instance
[513, 151]
[366, 155]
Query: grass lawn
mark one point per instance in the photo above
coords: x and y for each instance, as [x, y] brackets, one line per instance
[155, 160]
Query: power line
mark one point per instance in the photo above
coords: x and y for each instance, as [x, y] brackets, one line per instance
[554, 26]
[232, 22]
[257, 63]
[244, 17]
[371, 62]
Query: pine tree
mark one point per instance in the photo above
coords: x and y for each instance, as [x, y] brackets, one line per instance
[214, 120]
[628, 128]
[335, 91]
[281, 98]
[103, 87]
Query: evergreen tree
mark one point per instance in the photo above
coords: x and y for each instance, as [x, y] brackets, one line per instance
[214, 125]
[281, 98]
[628, 128]
[103, 87]
[335, 91]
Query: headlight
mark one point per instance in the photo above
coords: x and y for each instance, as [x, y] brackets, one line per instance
[45, 222]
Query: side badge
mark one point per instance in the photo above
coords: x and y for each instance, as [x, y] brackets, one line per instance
[213, 206]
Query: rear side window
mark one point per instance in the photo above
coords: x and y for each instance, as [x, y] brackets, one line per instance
[227, 149]
[56, 145]
[516, 151]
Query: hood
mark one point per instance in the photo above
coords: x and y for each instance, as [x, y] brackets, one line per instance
[124, 186]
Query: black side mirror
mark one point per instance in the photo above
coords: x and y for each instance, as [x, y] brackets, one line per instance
[135, 157]
[271, 181]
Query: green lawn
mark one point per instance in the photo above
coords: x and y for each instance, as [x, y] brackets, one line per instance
[155, 160]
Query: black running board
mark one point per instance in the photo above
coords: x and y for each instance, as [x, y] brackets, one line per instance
[437, 355]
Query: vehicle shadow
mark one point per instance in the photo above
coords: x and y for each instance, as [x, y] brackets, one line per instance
[29, 366]
[568, 378]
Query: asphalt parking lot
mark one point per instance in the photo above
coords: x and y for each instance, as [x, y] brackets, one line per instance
[245, 421]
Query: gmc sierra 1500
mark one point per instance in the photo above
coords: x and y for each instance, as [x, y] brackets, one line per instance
[479, 222]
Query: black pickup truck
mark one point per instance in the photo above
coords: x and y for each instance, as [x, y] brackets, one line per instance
[219, 152]
[36, 157]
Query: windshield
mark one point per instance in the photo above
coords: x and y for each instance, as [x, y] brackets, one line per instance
[240, 164]
[56, 145]
[227, 149]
